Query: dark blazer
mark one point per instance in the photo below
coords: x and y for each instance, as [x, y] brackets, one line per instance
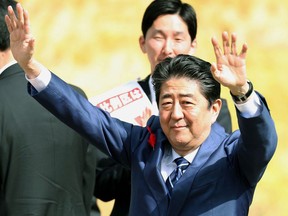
[114, 180]
[220, 181]
[46, 168]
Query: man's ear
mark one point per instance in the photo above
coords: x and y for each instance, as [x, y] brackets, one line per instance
[193, 47]
[142, 43]
[215, 110]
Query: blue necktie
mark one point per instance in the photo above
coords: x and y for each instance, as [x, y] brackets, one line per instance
[182, 165]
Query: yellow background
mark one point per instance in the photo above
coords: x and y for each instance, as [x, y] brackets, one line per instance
[94, 44]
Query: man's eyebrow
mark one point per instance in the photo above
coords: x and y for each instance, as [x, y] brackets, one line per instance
[179, 33]
[157, 30]
[168, 95]
[187, 95]
[162, 32]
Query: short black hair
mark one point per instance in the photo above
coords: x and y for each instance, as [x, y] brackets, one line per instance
[4, 33]
[164, 7]
[191, 67]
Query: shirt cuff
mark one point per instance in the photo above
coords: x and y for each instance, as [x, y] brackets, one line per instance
[251, 108]
[42, 80]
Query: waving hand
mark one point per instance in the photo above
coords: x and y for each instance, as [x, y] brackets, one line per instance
[230, 67]
[21, 40]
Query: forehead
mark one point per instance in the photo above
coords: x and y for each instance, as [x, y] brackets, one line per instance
[179, 86]
[170, 22]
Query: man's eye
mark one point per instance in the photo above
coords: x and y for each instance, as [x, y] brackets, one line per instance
[158, 37]
[166, 104]
[187, 103]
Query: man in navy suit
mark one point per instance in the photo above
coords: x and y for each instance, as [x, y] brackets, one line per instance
[169, 28]
[221, 170]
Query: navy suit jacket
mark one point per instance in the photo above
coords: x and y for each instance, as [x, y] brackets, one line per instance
[220, 181]
[114, 180]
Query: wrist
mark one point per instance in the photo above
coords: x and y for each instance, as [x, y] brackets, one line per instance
[32, 69]
[242, 94]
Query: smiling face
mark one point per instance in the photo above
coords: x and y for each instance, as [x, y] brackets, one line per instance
[167, 37]
[185, 115]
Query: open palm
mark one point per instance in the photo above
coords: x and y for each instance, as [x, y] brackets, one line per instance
[230, 67]
[21, 40]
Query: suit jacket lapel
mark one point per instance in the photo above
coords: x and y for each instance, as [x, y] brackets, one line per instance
[152, 173]
[183, 186]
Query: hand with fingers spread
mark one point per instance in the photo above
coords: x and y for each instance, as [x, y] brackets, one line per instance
[230, 67]
[21, 40]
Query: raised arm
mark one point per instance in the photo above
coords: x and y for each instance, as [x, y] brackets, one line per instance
[258, 134]
[22, 41]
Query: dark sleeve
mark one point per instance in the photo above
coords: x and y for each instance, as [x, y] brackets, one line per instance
[112, 180]
[257, 143]
[78, 89]
[224, 118]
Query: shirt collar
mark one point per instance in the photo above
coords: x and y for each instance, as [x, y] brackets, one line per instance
[153, 97]
[171, 155]
[7, 65]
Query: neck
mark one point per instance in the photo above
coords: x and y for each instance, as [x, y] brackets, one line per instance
[5, 57]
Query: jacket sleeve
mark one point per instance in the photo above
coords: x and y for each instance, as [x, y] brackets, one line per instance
[257, 143]
[110, 135]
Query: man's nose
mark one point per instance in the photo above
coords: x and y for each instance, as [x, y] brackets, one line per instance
[168, 47]
[177, 112]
